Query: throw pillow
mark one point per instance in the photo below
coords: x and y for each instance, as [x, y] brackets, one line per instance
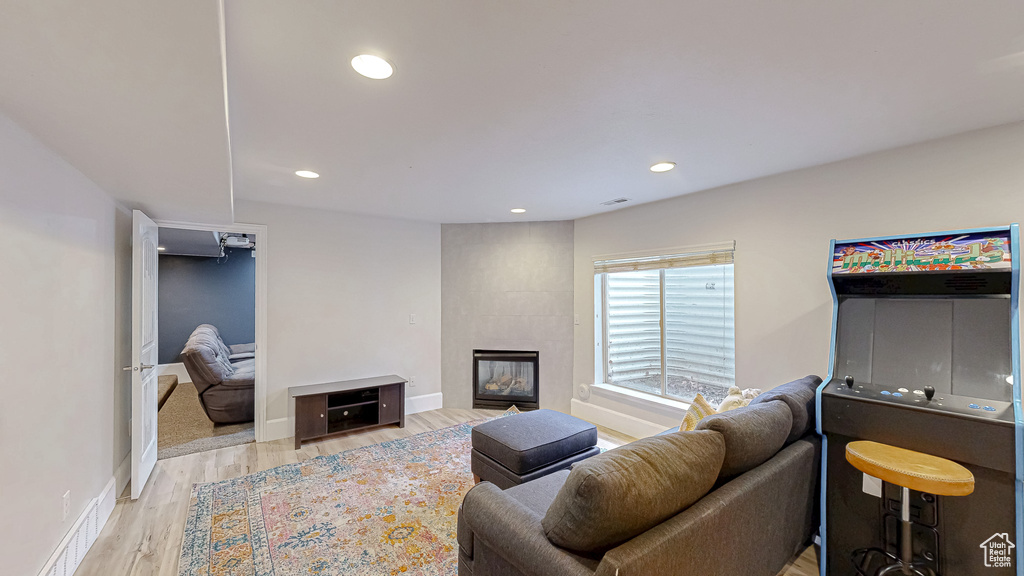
[698, 409]
[733, 401]
[752, 434]
[612, 497]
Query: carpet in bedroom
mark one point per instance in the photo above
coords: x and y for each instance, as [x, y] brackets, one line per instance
[183, 427]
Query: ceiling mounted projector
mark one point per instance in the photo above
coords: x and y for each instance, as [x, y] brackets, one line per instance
[238, 241]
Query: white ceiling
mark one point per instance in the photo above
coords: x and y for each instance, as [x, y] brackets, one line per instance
[550, 106]
[130, 92]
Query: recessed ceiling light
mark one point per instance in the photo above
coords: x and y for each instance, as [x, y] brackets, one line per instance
[372, 66]
[663, 166]
[518, 210]
[161, 248]
[306, 174]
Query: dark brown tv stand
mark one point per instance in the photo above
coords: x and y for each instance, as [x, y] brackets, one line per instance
[326, 409]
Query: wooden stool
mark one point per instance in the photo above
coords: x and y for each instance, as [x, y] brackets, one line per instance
[911, 471]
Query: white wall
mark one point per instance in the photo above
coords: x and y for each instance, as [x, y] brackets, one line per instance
[782, 226]
[507, 286]
[340, 291]
[62, 419]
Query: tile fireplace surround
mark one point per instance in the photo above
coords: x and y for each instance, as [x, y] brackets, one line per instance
[507, 286]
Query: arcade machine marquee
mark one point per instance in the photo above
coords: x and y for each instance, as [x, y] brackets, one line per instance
[925, 356]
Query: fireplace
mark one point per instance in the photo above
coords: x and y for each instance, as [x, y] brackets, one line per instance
[502, 378]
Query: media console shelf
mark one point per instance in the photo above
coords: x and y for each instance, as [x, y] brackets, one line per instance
[325, 409]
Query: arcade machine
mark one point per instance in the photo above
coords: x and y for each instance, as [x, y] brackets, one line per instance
[925, 356]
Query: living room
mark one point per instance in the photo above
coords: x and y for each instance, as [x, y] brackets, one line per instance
[359, 293]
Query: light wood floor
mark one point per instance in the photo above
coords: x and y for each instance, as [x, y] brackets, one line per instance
[143, 538]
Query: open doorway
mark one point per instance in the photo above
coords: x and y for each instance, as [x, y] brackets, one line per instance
[207, 340]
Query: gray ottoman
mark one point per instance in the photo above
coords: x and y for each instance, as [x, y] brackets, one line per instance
[515, 449]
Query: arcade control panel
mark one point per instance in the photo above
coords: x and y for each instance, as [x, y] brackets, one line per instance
[964, 429]
[922, 398]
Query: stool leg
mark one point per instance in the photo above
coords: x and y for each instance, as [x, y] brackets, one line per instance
[907, 540]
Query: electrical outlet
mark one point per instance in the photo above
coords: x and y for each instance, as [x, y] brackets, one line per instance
[412, 381]
[872, 486]
[576, 319]
[65, 505]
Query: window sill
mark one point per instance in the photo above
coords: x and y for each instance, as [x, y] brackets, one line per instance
[640, 399]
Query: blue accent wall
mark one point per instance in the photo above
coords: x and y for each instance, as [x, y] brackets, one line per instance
[218, 291]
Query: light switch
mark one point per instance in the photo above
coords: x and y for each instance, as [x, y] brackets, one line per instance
[412, 318]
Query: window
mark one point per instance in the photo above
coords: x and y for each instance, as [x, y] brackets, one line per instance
[666, 322]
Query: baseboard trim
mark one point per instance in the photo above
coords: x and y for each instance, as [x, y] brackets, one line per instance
[123, 475]
[414, 404]
[278, 428]
[177, 368]
[106, 502]
[76, 543]
[624, 423]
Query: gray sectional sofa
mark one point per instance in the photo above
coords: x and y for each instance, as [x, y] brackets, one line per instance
[737, 496]
[224, 376]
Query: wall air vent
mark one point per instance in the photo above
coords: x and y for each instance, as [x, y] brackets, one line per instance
[615, 201]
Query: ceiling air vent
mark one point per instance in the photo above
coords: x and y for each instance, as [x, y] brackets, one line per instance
[614, 202]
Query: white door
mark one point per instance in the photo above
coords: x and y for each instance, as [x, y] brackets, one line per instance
[144, 349]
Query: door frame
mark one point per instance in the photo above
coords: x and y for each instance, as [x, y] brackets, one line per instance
[260, 230]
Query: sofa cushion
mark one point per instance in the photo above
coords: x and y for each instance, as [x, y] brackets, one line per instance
[244, 368]
[799, 396]
[204, 354]
[531, 440]
[753, 434]
[612, 497]
[537, 495]
[247, 348]
[223, 349]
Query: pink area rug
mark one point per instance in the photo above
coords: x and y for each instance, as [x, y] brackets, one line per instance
[385, 509]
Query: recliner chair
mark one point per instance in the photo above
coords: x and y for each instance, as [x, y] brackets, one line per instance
[224, 376]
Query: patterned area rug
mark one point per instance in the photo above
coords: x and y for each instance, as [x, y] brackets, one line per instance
[382, 510]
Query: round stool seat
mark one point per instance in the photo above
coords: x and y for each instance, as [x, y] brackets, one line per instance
[910, 469]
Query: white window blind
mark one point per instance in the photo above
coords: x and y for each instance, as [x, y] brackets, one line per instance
[700, 337]
[669, 330]
[633, 329]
